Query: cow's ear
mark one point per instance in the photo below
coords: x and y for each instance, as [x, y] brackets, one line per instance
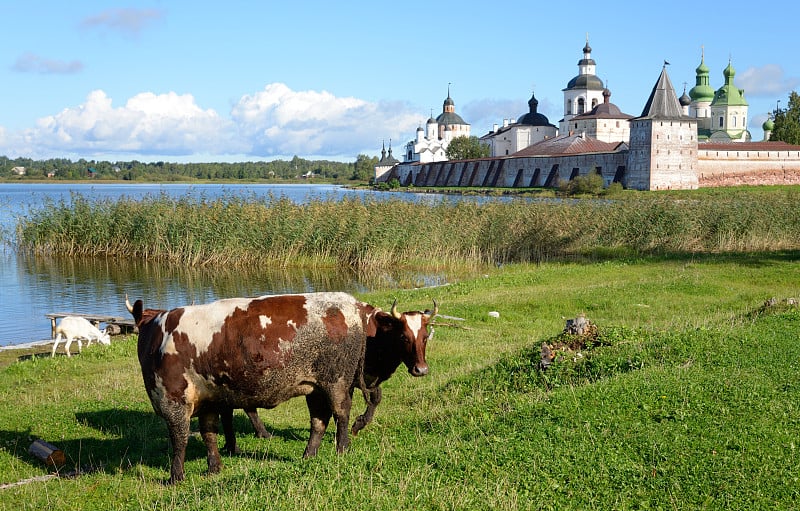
[138, 307]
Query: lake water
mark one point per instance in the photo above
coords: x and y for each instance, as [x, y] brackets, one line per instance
[31, 287]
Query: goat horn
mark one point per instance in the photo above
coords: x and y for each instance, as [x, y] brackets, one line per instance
[394, 310]
[128, 304]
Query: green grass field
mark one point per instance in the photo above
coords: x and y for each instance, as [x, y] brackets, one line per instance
[689, 399]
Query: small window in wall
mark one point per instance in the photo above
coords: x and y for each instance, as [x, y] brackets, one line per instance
[581, 106]
[594, 102]
[569, 107]
[734, 121]
[617, 124]
[721, 121]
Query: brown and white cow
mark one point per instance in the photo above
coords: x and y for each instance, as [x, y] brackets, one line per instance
[206, 360]
[377, 367]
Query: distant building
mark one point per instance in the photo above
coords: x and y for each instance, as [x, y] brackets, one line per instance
[387, 161]
[18, 171]
[529, 129]
[722, 114]
[676, 143]
[430, 144]
[583, 92]
[605, 122]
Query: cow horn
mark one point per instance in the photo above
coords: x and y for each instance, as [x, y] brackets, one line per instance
[128, 304]
[394, 310]
[430, 314]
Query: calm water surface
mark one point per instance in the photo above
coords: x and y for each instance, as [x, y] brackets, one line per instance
[31, 287]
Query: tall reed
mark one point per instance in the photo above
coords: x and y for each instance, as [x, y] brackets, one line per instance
[374, 234]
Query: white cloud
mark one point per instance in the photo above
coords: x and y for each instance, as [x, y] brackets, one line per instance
[32, 63]
[275, 122]
[767, 80]
[280, 121]
[168, 124]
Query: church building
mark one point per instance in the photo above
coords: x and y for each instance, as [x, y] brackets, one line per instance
[529, 129]
[583, 92]
[722, 114]
[700, 139]
[430, 144]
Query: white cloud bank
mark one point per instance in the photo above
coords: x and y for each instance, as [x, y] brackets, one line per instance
[767, 80]
[272, 123]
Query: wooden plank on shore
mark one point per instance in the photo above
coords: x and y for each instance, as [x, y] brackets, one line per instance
[96, 319]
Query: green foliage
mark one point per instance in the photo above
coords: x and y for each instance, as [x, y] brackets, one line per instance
[466, 148]
[687, 402]
[787, 122]
[588, 184]
[379, 234]
[364, 167]
[293, 169]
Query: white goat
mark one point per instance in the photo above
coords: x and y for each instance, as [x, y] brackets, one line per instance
[77, 328]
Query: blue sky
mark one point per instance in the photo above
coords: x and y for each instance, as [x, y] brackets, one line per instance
[232, 81]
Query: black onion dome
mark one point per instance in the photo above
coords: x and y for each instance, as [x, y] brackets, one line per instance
[534, 118]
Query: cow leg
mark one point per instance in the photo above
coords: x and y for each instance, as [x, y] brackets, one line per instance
[80, 345]
[178, 425]
[227, 428]
[343, 402]
[67, 345]
[255, 420]
[319, 409]
[373, 398]
[208, 430]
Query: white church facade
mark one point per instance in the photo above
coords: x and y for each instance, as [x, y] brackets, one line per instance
[675, 143]
[430, 145]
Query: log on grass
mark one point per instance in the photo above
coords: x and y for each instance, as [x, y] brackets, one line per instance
[48, 453]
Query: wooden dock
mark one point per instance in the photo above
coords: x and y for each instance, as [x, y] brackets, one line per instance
[124, 325]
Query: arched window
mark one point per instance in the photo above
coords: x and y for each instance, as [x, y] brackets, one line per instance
[569, 107]
[594, 102]
[734, 121]
[581, 106]
[721, 119]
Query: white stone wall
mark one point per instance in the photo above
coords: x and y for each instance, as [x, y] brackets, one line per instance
[737, 161]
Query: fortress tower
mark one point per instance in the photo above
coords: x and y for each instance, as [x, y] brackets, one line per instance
[663, 144]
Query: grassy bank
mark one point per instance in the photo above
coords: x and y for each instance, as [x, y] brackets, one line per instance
[372, 235]
[689, 400]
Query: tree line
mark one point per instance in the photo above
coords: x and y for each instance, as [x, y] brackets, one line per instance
[787, 121]
[362, 169]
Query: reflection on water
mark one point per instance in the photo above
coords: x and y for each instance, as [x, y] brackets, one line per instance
[31, 287]
[99, 286]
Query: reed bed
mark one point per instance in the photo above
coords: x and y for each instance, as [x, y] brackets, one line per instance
[371, 235]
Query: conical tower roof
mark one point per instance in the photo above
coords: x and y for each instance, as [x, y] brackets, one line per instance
[663, 101]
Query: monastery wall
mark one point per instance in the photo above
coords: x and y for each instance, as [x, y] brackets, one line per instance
[520, 172]
[670, 164]
[753, 165]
